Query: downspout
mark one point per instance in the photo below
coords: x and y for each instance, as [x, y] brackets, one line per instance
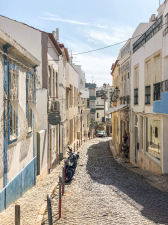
[34, 141]
[5, 47]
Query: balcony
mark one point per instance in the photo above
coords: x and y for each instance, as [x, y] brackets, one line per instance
[148, 34]
[93, 111]
[93, 98]
[88, 85]
[160, 96]
[125, 99]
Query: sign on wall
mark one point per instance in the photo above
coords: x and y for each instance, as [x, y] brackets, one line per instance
[54, 118]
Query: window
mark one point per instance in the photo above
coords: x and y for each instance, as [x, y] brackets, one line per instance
[128, 75]
[56, 85]
[136, 96]
[87, 103]
[156, 132]
[136, 78]
[148, 74]
[157, 70]
[141, 132]
[29, 100]
[97, 115]
[166, 20]
[147, 95]
[153, 137]
[49, 81]
[13, 85]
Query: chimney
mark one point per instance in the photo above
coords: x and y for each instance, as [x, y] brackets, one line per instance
[152, 18]
[56, 34]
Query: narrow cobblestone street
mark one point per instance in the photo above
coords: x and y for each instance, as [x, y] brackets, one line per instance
[104, 192]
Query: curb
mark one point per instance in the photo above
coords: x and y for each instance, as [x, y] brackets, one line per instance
[132, 168]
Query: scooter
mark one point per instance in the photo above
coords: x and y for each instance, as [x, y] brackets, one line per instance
[69, 171]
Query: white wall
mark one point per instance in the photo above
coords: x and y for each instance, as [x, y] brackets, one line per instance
[41, 105]
[28, 37]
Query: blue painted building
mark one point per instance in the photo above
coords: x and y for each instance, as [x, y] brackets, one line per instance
[19, 120]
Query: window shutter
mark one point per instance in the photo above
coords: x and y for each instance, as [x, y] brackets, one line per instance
[157, 70]
[148, 74]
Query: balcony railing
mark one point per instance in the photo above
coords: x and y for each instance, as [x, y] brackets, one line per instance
[158, 88]
[125, 100]
[92, 97]
[148, 34]
[92, 110]
[88, 85]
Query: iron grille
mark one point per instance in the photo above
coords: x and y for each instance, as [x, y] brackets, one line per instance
[113, 97]
[157, 89]
[148, 34]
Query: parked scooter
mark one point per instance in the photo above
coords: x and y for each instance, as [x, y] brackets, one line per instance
[71, 164]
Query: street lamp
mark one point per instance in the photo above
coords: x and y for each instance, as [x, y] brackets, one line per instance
[116, 92]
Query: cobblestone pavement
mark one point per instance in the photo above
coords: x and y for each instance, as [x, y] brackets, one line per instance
[31, 202]
[105, 192]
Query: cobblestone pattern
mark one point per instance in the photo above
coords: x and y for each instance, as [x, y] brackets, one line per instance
[31, 202]
[105, 192]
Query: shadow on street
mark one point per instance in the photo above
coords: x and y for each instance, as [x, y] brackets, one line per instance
[103, 168]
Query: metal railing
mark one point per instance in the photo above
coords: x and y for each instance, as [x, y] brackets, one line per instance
[125, 99]
[148, 34]
[158, 88]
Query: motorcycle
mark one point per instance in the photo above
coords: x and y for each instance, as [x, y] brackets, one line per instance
[71, 164]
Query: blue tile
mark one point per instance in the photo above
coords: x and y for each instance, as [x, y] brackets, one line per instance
[14, 189]
[28, 176]
[2, 200]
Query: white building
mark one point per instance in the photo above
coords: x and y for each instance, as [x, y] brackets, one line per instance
[149, 94]
[19, 120]
[44, 47]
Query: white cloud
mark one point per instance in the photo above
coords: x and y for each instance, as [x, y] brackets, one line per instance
[57, 18]
[117, 34]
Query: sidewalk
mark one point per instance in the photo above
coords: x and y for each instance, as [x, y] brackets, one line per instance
[33, 203]
[158, 181]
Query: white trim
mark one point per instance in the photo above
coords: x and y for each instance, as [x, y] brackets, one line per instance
[153, 158]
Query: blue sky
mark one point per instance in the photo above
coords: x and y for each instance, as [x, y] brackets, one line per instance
[85, 25]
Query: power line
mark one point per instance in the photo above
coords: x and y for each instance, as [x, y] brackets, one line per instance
[109, 46]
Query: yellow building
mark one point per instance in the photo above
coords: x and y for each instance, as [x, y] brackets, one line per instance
[115, 102]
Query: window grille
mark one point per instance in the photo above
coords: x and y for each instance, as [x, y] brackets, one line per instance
[136, 96]
[17, 123]
[13, 97]
[147, 95]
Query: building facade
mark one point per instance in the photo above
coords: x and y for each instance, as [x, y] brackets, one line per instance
[19, 120]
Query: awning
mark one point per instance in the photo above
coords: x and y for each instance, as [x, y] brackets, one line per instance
[115, 109]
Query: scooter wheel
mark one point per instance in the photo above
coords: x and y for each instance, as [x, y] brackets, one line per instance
[68, 175]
